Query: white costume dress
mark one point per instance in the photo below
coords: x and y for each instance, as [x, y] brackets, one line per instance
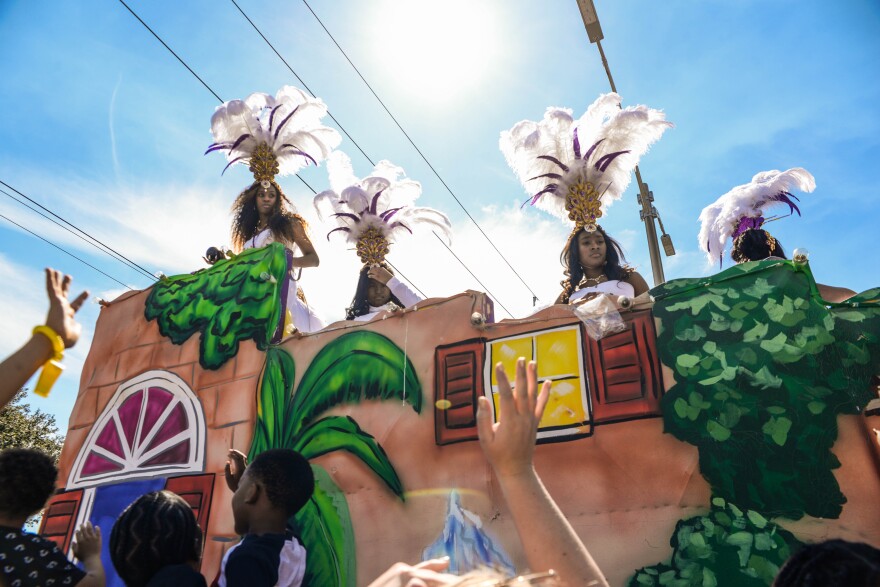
[612, 286]
[401, 291]
[304, 318]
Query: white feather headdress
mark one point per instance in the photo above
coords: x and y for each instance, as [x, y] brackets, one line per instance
[576, 168]
[273, 136]
[744, 207]
[372, 212]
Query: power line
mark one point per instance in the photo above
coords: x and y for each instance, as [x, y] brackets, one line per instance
[65, 251]
[397, 271]
[493, 296]
[419, 151]
[95, 242]
[300, 80]
[368, 157]
[103, 248]
[182, 62]
[164, 44]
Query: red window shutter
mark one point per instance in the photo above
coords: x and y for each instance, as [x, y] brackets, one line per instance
[624, 371]
[197, 490]
[458, 383]
[59, 518]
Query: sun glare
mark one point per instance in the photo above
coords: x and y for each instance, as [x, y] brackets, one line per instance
[435, 50]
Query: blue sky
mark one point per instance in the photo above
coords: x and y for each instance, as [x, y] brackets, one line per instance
[103, 126]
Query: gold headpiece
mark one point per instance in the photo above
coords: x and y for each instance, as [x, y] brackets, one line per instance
[372, 246]
[584, 205]
[263, 163]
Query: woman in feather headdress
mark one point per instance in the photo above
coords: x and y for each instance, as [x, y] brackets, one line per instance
[275, 136]
[579, 183]
[372, 213]
[739, 215]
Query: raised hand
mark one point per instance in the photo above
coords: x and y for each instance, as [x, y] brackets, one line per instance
[61, 311]
[510, 443]
[234, 469]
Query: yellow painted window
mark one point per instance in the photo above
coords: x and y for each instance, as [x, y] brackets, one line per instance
[559, 356]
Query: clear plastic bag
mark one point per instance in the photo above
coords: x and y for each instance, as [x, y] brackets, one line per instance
[600, 316]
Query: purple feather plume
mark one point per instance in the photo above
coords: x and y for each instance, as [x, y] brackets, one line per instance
[554, 160]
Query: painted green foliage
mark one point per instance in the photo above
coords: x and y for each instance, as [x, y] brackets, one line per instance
[232, 301]
[355, 367]
[725, 547]
[762, 369]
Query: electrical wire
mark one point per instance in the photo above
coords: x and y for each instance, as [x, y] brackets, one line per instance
[299, 79]
[419, 151]
[114, 254]
[474, 276]
[65, 251]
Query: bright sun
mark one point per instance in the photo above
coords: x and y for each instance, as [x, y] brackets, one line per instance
[436, 50]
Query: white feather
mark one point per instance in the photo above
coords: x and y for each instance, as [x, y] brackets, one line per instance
[634, 129]
[291, 117]
[385, 189]
[719, 220]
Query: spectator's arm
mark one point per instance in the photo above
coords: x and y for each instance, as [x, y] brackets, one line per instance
[548, 539]
[16, 369]
[87, 548]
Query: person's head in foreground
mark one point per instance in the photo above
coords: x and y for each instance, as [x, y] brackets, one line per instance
[276, 485]
[833, 563]
[156, 531]
[27, 481]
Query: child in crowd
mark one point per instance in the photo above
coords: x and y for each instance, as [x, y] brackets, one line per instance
[276, 485]
[27, 480]
[157, 542]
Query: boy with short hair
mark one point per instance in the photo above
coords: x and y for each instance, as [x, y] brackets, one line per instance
[276, 485]
[27, 480]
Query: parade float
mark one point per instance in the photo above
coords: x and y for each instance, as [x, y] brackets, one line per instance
[724, 421]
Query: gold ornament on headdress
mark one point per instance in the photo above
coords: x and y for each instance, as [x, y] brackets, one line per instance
[583, 204]
[263, 163]
[372, 246]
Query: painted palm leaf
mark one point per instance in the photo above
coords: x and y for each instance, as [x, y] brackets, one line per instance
[324, 525]
[273, 403]
[355, 367]
[342, 433]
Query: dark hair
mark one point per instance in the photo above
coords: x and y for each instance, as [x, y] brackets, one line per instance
[246, 217]
[832, 563]
[287, 477]
[359, 304]
[156, 530]
[615, 262]
[27, 481]
[755, 244]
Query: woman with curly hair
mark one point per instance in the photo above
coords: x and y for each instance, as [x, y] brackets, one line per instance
[594, 264]
[262, 215]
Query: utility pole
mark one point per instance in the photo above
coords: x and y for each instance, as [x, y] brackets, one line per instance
[645, 197]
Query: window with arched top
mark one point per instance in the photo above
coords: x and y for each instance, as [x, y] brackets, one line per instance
[153, 426]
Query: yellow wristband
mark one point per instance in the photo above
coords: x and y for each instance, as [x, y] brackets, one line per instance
[53, 367]
[54, 338]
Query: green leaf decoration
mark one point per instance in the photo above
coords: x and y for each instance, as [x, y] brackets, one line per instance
[274, 405]
[355, 367]
[324, 525]
[232, 301]
[358, 366]
[758, 386]
[724, 547]
[342, 433]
